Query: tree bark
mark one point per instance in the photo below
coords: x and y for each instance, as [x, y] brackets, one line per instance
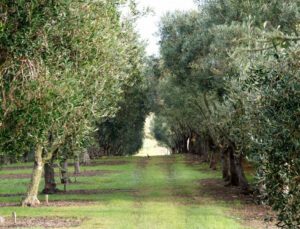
[243, 183]
[49, 175]
[33, 188]
[182, 145]
[195, 145]
[213, 161]
[237, 175]
[76, 166]
[64, 172]
[234, 179]
[25, 156]
[86, 158]
[173, 150]
[204, 150]
[225, 165]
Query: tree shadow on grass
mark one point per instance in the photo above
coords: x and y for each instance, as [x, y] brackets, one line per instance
[82, 174]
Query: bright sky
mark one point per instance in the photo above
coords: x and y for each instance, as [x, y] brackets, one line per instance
[148, 26]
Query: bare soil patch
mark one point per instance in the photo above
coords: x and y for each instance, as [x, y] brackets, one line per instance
[142, 163]
[166, 162]
[82, 174]
[15, 176]
[17, 167]
[252, 214]
[55, 203]
[61, 203]
[73, 192]
[93, 163]
[44, 222]
[255, 216]
[96, 163]
[97, 191]
[193, 159]
[11, 195]
[96, 173]
[215, 188]
[9, 205]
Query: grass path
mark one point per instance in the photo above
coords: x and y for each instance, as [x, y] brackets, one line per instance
[139, 193]
[151, 146]
[168, 198]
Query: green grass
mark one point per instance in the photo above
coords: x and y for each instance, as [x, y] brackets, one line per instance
[162, 192]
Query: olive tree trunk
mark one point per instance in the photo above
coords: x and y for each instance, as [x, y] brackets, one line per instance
[76, 167]
[49, 175]
[225, 165]
[86, 158]
[233, 170]
[213, 161]
[234, 178]
[204, 149]
[64, 172]
[243, 183]
[31, 198]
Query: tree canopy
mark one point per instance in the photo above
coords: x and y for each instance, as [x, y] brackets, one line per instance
[60, 74]
[230, 82]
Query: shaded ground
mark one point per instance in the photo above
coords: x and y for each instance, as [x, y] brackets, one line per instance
[92, 163]
[98, 191]
[77, 192]
[254, 215]
[215, 189]
[82, 174]
[18, 167]
[96, 163]
[176, 192]
[55, 203]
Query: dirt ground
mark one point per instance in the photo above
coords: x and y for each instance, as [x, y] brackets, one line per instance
[45, 222]
[82, 174]
[253, 214]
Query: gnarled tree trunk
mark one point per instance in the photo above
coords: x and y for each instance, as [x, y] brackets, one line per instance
[76, 167]
[204, 149]
[49, 175]
[225, 165]
[33, 188]
[233, 170]
[234, 179]
[64, 172]
[86, 158]
[243, 183]
[213, 161]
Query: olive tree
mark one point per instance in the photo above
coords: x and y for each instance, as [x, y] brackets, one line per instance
[59, 75]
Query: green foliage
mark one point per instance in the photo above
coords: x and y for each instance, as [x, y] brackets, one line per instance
[230, 73]
[272, 83]
[60, 73]
[152, 74]
[123, 134]
[161, 132]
